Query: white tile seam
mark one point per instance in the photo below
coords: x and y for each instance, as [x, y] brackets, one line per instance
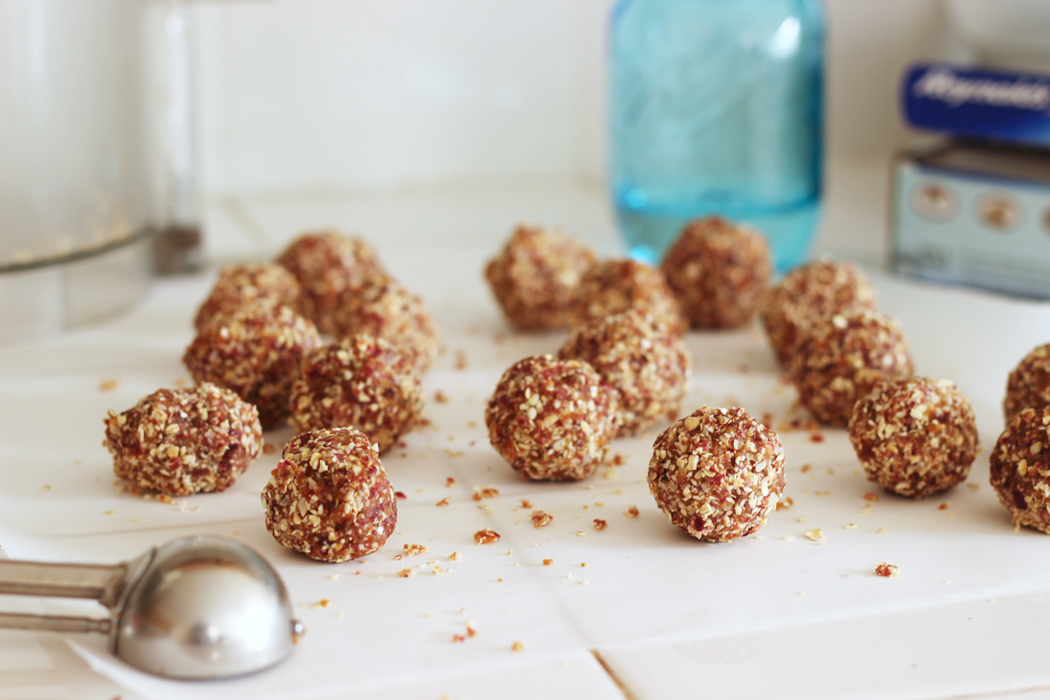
[616, 679]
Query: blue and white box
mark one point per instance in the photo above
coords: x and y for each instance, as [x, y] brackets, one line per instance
[978, 103]
[973, 214]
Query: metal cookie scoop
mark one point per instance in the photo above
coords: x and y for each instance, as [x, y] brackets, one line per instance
[196, 607]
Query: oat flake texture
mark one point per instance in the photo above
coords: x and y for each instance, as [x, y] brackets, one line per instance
[384, 308]
[915, 437]
[842, 357]
[255, 353]
[719, 272]
[329, 496]
[360, 382]
[1019, 468]
[535, 276]
[816, 290]
[239, 285]
[612, 286]
[717, 473]
[330, 267]
[648, 368]
[1029, 383]
[552, 419]
[184, 441]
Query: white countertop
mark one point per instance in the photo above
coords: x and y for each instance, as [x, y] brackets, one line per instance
[654, 610]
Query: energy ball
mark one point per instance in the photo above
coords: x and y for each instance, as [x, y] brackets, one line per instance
[612, 286]
[841, 358]
[1029, 384]
[649, 369]
[384, 309]
[329, 496]
[552, 419]
[717, 473]
[534, 277]
[815, 290]
[255, 353]
[914, 437]
[719, 271]
[239, 285]
[1019, 468]
[184, 441]
[359, 382]
[330, 268]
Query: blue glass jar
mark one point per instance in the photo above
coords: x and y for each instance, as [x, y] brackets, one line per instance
[716, 109]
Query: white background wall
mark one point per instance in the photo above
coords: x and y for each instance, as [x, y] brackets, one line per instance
[331, 95]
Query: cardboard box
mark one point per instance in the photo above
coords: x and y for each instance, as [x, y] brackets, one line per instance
[973, 214]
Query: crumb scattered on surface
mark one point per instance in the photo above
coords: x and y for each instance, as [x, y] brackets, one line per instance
[887, 570]
[486, 536]
[541, 519]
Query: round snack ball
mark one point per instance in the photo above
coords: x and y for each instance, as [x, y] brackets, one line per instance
[552, 419]
[330, 268]
[534, 277]
[359, 382]
[719, 271]
[1019, 468]
[239, 285]
[383, 308]
[329, 496]
[612, 286]
[648, 368]
[1029, 384]
[717, 473]
[255, 352]
[840, 358]
[815, 290]
[183, 441]
[914, 437]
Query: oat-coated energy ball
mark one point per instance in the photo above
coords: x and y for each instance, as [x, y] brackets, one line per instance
[815, 290]
[239, 285]
[359, 382]
[255, 353]
[647, 367]
[1029, 384]
[534, 277]
[330, 268]
[612, 286]
[840, 359]
[183, 441]
[552, 419]
[1019, 468]
[329, 496]
[914, 437]
[383, 308]
[717, 473]
[719, 271]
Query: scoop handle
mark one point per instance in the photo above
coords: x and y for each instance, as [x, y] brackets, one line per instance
[61, 580]
[54, 623]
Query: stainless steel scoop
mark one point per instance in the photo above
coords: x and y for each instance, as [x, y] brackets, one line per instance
[196, 607]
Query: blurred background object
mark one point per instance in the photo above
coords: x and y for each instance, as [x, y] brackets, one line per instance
[716, 108]
[974, 208]
[74, 201]
[370, 113]
[97, 163]
[171, 132]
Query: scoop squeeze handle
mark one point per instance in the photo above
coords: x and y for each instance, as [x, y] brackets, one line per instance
[60, 580]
